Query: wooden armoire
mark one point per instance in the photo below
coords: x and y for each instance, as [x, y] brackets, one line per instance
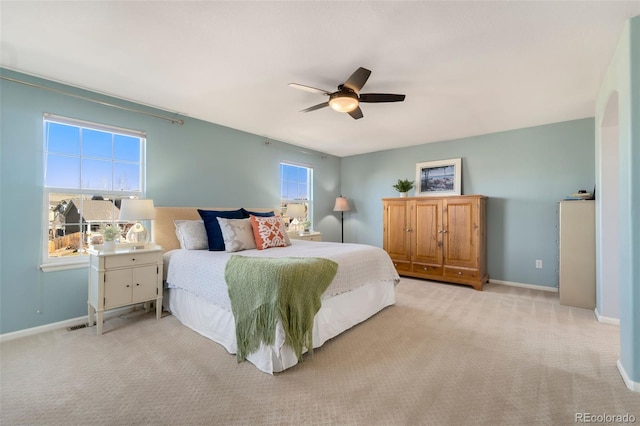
[438, 238]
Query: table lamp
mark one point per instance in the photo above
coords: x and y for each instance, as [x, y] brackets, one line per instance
[137, 210]
[297, 212]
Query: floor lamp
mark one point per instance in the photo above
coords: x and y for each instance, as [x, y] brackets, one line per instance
[342, 205]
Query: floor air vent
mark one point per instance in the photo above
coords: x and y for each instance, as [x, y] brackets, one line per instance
[77, 327]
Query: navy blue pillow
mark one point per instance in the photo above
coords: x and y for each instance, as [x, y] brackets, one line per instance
[214, 234]
[247, 213]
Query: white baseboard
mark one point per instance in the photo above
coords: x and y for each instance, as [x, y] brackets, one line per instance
[531, 286]
[62, 324]
[606, 320]
[633, 386]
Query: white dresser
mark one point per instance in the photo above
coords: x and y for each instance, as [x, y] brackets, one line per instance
[122, 278]
[577, 254]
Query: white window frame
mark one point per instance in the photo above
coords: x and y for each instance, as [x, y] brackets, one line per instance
[308, 201]
[52, 263]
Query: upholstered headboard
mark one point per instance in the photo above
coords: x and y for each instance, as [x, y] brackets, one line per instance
[164, 230]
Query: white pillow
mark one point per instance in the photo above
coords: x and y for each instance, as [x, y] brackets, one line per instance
[237, 234]
[191, 234]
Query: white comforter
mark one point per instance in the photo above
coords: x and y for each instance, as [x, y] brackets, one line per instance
[201, 272]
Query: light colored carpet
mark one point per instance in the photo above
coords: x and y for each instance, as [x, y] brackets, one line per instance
[443, 355]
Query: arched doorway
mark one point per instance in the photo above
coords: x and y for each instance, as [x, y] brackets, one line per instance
[608, 216]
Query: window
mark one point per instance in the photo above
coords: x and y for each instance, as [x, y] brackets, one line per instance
[88, 169]
[296, 198]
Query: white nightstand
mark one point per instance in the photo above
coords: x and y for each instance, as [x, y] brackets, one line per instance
[311, 236]
[124, 277]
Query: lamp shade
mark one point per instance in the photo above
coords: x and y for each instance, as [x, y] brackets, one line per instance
[295, 210]
[136, 209]
[342, 205]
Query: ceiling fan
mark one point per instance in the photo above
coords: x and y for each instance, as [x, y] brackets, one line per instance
[348, 96]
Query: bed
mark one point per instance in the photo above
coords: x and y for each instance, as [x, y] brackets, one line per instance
[196, 291]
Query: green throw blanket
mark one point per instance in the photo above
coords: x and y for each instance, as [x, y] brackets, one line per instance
[263, 290]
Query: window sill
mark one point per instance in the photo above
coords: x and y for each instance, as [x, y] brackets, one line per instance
[64, 266]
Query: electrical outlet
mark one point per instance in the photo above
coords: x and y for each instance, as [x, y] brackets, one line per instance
[539, 264]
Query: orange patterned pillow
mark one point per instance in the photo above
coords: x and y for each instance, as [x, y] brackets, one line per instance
[269, 232]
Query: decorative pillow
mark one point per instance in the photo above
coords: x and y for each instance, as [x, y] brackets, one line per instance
[269, 232]
[214, 234]
[191, 234]
[247, 213]
[237, 234]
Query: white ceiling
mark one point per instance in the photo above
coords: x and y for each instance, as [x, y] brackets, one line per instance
[467, 68]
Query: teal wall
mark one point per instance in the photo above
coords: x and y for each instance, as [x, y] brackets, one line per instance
[622, 83]
[524, 173]
[198, 163]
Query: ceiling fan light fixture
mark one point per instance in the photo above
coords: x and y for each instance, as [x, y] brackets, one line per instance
[344, 102]
[348, 97]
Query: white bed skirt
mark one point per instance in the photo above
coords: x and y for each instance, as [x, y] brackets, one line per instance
[337, 314]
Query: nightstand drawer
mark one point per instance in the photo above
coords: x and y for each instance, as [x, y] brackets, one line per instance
[130, 259]
[311, 236]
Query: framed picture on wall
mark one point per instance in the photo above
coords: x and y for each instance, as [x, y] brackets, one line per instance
[438, 178]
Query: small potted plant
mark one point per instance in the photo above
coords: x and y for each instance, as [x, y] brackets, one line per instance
[403, 186]
[305, 225]
[109, 233]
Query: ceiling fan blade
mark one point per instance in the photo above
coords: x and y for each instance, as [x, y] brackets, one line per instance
[357, 79]
[380, 97]
[315, 107]
[309, 89]
[356, 113]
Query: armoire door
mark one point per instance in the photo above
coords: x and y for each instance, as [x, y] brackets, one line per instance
[461, 232]
[426, 235]
[396, 235]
